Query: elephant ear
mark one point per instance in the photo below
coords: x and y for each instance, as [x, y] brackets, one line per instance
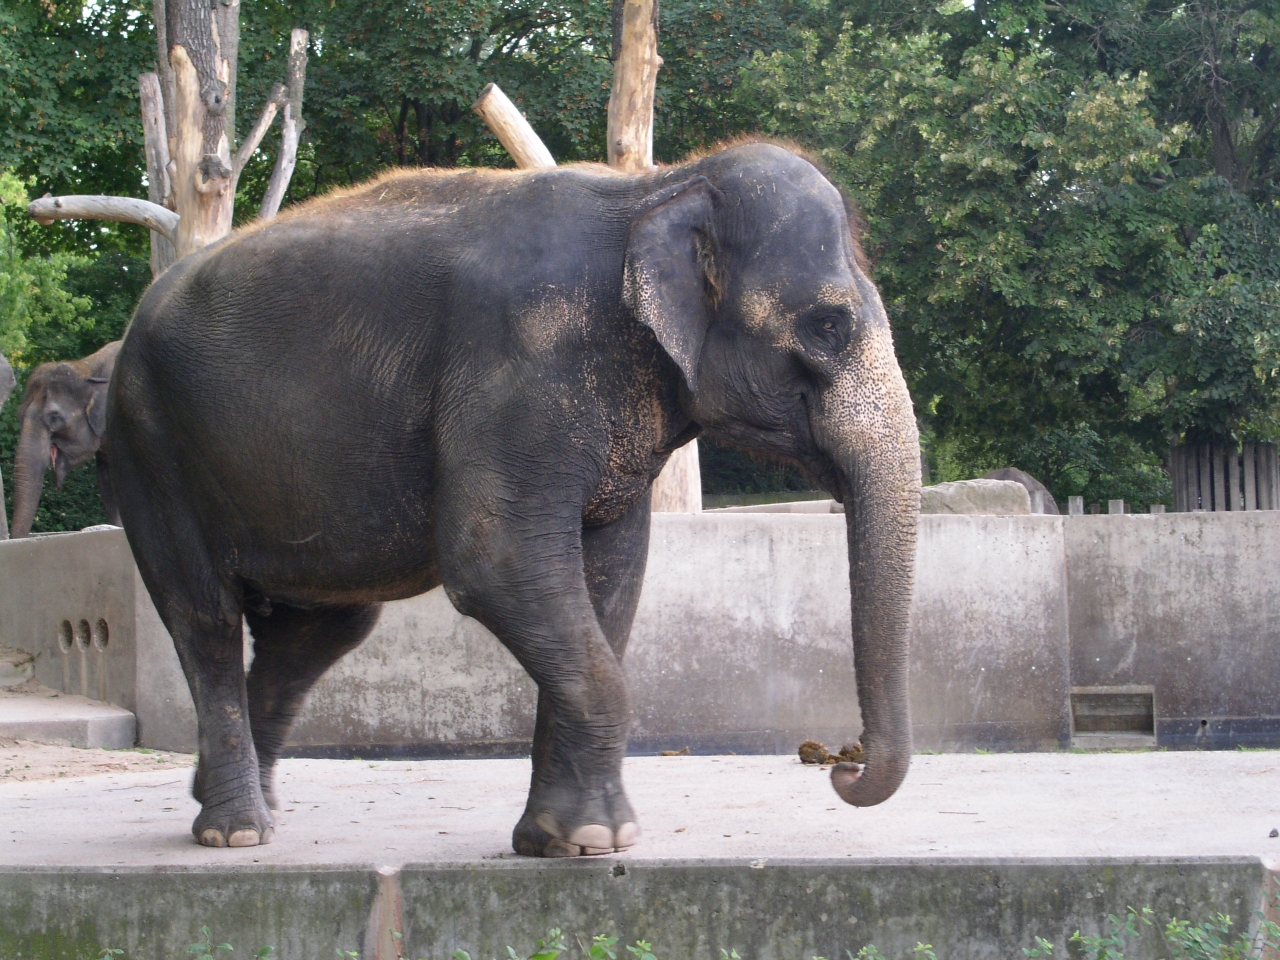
[670, 279]
[96, 410]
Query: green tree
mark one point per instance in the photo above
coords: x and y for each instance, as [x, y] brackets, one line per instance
[1071, 289]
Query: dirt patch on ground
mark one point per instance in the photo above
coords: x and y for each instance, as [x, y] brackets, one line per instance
[30, 760]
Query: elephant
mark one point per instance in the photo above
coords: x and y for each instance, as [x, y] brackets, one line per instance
[471, 378]
[7, 381]
[1034, 486]
[64, 416]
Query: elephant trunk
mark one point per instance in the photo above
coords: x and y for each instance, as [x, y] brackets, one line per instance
[875, 449]
[29, 465]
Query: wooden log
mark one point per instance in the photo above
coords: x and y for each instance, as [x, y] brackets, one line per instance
[1177, 472]
[678, 488]
[155, 139]
[1204, 494]
[159, 19]
[512, 129]
[635, 75]
[1217, 459]
[291, 126]
[1249, 467]
[1233, 478]
[120, 209]
[1268, 477]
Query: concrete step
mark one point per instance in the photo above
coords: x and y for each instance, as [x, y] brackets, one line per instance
[34, 712]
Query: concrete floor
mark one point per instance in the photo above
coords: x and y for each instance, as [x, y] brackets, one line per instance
[737, 807]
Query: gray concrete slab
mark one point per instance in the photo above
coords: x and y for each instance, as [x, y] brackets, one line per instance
[394, 812]
[976, 854]
[44, 714]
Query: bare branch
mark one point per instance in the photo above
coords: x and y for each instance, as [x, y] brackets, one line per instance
[259, 131]
[512, 129]
[120, 209]
[291, 127]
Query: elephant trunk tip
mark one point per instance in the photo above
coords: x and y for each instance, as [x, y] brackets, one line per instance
[870, 783]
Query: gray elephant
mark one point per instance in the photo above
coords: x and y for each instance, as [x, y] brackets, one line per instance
[64, 415]
[1033, 486]
[472, 378]
[7, 381]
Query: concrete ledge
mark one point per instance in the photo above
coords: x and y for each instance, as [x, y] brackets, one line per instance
[972, 909]
[77, 721]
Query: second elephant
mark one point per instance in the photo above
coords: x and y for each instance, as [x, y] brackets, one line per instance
[63, 417]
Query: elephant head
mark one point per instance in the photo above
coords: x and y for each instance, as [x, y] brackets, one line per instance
[63, 413]
[751, 278]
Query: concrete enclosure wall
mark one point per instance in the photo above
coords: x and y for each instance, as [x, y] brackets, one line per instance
[742, 640]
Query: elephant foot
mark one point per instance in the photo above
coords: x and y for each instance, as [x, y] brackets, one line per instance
[542, 836]
[235, 823]
[266, 781]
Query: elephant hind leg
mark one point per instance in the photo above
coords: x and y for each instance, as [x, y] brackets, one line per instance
[292, 648]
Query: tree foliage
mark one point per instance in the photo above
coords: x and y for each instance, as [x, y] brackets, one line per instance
[1071, 276]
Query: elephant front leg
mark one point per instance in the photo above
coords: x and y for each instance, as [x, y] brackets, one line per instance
[528, 588]
[613, 559]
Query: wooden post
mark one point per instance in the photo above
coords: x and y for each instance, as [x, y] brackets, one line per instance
[512, 129]
[1250, 477]
[678, 488]
[1219, 483]
[635, 75]
[1233, 478]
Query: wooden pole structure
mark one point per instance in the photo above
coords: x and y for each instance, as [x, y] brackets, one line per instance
[189, 131]
[678, 488]
[512, 129]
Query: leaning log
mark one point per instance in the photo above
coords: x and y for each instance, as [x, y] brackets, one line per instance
[291, 126]
[512, 129]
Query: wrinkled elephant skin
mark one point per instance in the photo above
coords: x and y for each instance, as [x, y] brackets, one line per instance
[472, 378]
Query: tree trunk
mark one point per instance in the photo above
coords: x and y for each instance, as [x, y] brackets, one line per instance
[678, 488]
[155, 133]
[635, 74]
[199, 145]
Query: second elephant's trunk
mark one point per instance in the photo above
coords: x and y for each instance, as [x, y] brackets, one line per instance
[29, 466]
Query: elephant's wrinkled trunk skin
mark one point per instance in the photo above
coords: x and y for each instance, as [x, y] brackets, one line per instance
[872, 440]
[29, 466]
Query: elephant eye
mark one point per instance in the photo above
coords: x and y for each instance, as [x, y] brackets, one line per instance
[825, 330]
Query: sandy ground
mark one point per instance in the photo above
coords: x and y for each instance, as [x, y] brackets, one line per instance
[26, 760]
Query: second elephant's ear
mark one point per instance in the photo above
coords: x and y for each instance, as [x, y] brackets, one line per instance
[96, 410]
[670, 274]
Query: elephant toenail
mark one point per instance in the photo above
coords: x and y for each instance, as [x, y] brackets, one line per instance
[244, 838]
[212, 838]
[627, 835]
[595, 835]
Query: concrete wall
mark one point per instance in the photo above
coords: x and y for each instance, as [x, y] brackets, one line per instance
[1188, 604]
[742, 640]
[770, 910]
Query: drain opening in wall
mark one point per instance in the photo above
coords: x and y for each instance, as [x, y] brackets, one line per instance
[1117, 710]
